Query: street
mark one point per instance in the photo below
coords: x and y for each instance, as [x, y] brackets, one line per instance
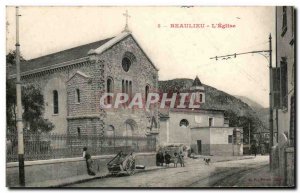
[239, 173]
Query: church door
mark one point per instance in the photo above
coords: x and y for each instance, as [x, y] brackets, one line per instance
[130, 127]
[199, 145]
[129, 133]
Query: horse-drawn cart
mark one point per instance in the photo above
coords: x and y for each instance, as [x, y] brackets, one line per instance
[122, 164]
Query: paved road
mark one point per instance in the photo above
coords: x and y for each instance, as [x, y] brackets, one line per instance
[237, 173]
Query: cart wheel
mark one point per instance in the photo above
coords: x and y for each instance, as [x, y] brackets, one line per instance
[130, 167]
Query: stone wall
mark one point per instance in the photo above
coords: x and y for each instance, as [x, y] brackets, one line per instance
[52, 80]
[290, 167]
[43, 170]
[226, 150]
[141, 73]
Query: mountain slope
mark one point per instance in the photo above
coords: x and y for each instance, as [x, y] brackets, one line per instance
[254, 105]
[263, 113]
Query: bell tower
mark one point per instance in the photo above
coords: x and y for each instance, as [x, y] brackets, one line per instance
[199, 91]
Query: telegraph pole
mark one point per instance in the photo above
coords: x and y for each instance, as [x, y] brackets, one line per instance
[19, 107]
[271, 85]
[249, 136]
[271, 102]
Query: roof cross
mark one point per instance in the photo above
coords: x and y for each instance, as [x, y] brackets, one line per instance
[126, 16]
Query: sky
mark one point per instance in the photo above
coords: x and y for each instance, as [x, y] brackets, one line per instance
[177, 52]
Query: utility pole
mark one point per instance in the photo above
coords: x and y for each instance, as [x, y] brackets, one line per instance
[249, 136]
[19, 107]
[229, 56]
[271, 102]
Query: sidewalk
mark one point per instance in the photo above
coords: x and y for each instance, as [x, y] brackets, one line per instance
[224, 158]
[81, 178]
[84, 178]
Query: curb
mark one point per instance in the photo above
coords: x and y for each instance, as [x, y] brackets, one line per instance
[235, 160]
[98, 177]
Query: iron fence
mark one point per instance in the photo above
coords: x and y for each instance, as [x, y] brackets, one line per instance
[53, 146]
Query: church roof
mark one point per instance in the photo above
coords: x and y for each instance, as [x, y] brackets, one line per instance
[197, 82]
[60, 57]
[75, 53]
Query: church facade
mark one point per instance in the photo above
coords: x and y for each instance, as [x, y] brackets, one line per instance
[72, 82]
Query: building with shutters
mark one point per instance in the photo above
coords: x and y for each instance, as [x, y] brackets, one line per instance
[284, 80]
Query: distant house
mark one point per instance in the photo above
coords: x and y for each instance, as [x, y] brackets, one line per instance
[206, 131]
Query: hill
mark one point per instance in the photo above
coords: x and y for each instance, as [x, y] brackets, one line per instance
[254, 105]
[263, 113]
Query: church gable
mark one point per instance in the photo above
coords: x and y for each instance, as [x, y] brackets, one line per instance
[117, 41]
[79, 90]
[78, 77]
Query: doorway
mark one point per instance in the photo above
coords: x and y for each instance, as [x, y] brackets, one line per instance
[199, 145]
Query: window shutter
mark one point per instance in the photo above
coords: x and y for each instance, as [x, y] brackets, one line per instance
[283, 83]
[234, 136]
[276, 87]
[292, 121]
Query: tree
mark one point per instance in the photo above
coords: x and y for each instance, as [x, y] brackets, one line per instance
[32, 102]
[243, 121]
[10, 105]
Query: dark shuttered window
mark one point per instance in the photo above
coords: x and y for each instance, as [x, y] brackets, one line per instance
[283, 83]
[77, 95]
[55, 102]
[109, 89]
[292, 121]
[284, 21]
[276, 87]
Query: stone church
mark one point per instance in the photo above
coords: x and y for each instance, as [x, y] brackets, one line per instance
[73, 80]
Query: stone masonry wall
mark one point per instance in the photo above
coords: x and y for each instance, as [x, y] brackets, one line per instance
[141, 73]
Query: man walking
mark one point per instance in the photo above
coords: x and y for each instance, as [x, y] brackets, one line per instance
[88, 160]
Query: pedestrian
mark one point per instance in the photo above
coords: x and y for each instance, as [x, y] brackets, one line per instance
[167, 158]
[254, 149]
[181, 159]
[175, 159]
[88, 160]
[162, 159]
[158, 158]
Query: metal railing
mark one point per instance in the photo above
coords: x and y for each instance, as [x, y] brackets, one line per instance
[53, 146]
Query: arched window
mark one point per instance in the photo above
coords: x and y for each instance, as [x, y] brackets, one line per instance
[109, 89]
[146, 92]
[130, 90]
[184, 123]
[55, 102]
[123, 86]
[110, 135]
[126, 63]
[77, 95]
[126, 86]
[128, 59]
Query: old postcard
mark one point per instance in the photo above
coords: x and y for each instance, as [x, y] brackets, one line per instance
[150, 97]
